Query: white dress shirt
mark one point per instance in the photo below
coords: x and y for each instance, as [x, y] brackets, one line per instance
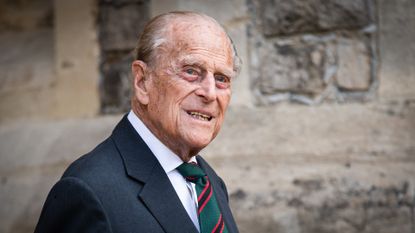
[169, 161]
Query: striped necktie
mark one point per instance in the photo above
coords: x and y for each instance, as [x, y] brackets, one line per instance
[210, 217]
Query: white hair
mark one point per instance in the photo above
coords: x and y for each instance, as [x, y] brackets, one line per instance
[154, 34]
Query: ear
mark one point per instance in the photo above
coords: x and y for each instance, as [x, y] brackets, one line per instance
[138, 69]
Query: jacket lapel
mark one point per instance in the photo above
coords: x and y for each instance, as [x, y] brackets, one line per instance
[157, 193]
[161, 199]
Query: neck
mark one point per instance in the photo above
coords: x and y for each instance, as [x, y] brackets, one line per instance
[185, 153]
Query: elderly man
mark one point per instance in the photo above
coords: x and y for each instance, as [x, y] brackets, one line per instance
[147, 176]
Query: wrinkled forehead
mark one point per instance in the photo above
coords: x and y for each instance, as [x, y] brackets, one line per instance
[192, 32]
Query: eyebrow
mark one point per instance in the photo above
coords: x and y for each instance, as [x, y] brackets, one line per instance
[192, 62]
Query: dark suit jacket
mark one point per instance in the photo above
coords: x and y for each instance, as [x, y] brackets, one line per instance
[121, 187]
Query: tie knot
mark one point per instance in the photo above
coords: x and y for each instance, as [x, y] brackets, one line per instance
[191, 171]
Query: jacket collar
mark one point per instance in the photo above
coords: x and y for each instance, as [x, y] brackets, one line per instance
[157, 193]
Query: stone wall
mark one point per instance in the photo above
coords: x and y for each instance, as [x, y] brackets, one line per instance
[313, 51]
[49, 65]
[319, 137]
[119, 24]
[26, 62]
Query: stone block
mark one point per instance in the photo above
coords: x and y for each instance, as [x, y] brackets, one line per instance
[313, 51]
[295, 66]
[354, 65]
[115, 88]
[280, 17]
[120, 23]
[77, 60]
[337, 66]
[241, 86]
[26, 15]
[26, 80]
[397, 49]
[26, 60]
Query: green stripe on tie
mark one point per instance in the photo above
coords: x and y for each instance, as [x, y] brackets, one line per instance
[210, 217]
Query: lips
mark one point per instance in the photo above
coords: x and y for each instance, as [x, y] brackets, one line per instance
[200, 116]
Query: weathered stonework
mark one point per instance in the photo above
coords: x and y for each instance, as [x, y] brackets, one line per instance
[76, 59]
[294, 66]
[354, 65]
[320, 56]
[120, 23]
[26, 15]
[338, 168]
[26, 59]
[330, 205]
[282, 17]
[297, 66]
[116, 82]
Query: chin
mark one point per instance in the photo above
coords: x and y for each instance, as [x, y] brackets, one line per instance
[198, 143]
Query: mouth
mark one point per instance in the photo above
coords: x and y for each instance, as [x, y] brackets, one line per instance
[200, 116]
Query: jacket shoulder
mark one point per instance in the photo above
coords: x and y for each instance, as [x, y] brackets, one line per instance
[72, 206]
[98, 166]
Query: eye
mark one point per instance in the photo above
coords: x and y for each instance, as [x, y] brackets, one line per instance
[222, 81]
[190, 73]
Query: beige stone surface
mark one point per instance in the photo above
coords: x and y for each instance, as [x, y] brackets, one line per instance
[269, 157]
[76, 57]
[289, 168]
[33, 156]
[397, 46]
[333, 168]
[354, 67]
[48, 71]
[26, 73]
[280, 17]
[363, 131]
[25, 14]
[274, 194]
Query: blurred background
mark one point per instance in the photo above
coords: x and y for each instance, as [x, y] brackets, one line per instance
[319, 137]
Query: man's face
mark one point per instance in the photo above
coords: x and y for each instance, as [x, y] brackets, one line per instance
[189, 89]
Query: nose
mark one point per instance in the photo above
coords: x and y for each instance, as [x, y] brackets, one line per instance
[207, 88]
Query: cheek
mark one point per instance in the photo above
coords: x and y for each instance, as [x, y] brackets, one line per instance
[223, 106]
[224, 100]
[158, 105]
[171, 96]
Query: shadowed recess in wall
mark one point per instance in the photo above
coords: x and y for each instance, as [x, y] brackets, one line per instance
[120, 23]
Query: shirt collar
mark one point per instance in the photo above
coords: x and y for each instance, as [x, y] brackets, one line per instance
[167, 158]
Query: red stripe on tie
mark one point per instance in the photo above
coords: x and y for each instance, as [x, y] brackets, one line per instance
[206, 201]
[217, 224]
[204, 190]
[223, 227]
[191, 178]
